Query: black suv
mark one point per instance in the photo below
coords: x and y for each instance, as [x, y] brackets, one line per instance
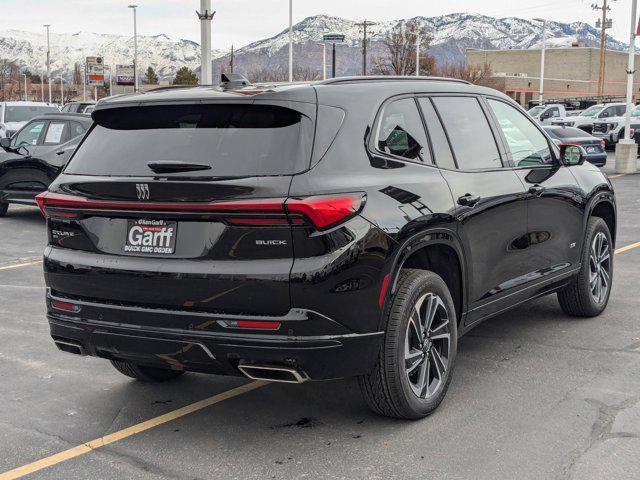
[350, 227]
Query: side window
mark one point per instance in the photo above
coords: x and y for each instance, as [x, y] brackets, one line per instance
[55, 133]
[77, 129]
[469, 132]
[608, 112]
[528, 146]
[401, 133]
[555, 112]
[622, 109]
[441, 150]
[29, 135]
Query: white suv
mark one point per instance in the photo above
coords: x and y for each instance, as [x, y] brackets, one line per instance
[14, 115]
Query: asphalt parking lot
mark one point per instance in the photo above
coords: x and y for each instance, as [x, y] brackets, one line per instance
[535, 395]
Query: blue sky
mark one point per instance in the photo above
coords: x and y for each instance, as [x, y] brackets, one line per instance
[243, 21]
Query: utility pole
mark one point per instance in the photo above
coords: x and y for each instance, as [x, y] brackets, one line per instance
[603, 42]
[231, 60]
[110, 82]
[205, 16]
[48, 62]
[365, 42]
[417, 54]
[26, 98]
[84, 84]
[61, 91]
[333, 60]
[42, 88]
[290, 41]
[135, 48]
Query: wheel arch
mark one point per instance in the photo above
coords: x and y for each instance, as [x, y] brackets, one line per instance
[437, 250]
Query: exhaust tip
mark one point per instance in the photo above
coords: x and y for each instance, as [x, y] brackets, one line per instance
[273, 373]
[70, 346]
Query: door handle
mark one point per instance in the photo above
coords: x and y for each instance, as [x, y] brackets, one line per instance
[536, 190]
[468, 200]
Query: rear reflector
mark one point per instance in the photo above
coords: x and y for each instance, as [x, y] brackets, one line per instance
[66, 306]
[250, 324]
[383, 290]
[324, 211]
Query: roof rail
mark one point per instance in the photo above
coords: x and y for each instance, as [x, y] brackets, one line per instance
[388, 78]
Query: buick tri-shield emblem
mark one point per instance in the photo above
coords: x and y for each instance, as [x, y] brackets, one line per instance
[142, 189]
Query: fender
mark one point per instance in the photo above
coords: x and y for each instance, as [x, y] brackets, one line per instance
[432, 236]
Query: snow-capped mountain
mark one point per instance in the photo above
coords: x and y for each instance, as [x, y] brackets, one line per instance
[164, 54]
[452, 35]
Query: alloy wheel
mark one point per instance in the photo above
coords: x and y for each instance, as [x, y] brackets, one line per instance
[599, 267]
[427, 346]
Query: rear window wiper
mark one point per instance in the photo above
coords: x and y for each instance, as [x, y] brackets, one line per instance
[171, 166]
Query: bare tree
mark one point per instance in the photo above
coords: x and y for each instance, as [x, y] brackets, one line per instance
[476, 74]
[9, 80]
[400, 59]
[280, 74]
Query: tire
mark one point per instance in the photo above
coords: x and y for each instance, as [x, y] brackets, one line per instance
[581, 298]
[390, 389]
[3, 209]
[144, 373]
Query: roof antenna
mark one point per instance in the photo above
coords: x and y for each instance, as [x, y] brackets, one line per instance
[233, 80]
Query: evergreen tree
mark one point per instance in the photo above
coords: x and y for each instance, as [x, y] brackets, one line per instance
[185, 76]
[152, 77]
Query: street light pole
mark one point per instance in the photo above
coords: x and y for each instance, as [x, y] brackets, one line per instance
[61, 91]
[290, 40]
[48, 62]
[626, 148]
[205, 16]
[135, 48]
[417, 54]
[542, 55]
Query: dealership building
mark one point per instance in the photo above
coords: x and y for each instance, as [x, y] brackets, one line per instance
[570, 72]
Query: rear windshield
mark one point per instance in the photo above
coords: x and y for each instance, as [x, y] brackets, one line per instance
[234, 139]
[23, 113]
[568, 132]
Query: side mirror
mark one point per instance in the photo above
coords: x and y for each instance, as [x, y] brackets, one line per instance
[5, 143]
[571, 155]
[545, 115]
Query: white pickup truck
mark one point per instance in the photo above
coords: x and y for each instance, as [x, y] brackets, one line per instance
[586, 118]
[544, 114]
[612, 129]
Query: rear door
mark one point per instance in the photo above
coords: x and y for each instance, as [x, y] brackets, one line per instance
[186, 208]
[491, 208]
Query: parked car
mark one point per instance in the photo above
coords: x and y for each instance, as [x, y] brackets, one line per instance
[14, 115]
[36, 154]
[544, 114]
[78, 107]
[592, 148]
[586, 119]
[340, 228]
[610, 130]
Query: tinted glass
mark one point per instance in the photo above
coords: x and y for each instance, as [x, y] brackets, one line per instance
[528, 146]
[592, 111]
[441, 150]
[567, 132]
[24, 113]
[29, 135]
[469, 133]
[77, 129]
[401, 133]
[234, 139]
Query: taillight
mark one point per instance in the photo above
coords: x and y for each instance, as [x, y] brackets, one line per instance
[602, 143]
[326, 211]
[323, 211]
[66, 306]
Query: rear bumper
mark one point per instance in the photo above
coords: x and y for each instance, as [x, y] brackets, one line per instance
[135, 334]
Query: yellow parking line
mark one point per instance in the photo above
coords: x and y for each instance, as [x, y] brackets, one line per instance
[127, 432]
[628, 247]
[618, 175]
[18, 265]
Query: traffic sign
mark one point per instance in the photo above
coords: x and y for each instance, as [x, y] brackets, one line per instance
[94, 72]
[333, 37]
